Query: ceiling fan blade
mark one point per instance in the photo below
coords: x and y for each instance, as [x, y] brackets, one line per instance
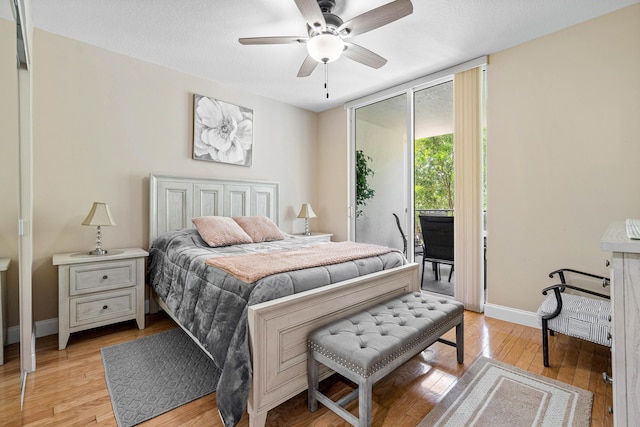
[307, 67]
[364, 56]
[376, 18]
[273, 40]
[311, 13]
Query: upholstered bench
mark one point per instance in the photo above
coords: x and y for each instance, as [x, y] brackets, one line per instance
[368, 345]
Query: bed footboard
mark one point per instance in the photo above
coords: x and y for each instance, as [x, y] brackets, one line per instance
[278, 331]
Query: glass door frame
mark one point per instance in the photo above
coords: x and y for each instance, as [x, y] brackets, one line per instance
[409, 175]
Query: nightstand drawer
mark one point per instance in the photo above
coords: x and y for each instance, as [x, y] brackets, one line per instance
[87, 278]
[105, 306]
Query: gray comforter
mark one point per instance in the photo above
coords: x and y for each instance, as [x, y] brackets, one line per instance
[212, 304]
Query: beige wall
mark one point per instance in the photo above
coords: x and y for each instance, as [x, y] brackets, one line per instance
[332, 174]
[9, 164]
[562, 159]
[562, 152]
[103, 122]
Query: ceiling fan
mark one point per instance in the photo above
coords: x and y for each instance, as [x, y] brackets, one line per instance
[328, 34]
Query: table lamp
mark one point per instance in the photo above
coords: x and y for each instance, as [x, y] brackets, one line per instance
[306, 212]
[99, 216]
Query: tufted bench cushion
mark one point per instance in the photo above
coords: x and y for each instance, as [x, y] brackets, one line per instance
[368, 345]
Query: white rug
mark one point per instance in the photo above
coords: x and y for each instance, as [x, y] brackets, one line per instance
[493, 394]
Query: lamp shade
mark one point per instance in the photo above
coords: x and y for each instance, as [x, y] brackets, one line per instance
[325, 47]
[99, 215]
[306, 211]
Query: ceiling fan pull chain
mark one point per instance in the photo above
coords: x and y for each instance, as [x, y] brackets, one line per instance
[326, 78]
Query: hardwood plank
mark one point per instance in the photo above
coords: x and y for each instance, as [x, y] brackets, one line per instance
[68, 386]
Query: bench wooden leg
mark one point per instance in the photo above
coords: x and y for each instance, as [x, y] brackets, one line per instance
[365, 403]
[312, 381]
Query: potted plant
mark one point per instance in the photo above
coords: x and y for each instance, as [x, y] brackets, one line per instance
[363, 172]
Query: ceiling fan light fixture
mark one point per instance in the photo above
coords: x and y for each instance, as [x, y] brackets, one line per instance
[325, 47]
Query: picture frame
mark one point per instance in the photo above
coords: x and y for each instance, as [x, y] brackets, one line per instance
[222, 132]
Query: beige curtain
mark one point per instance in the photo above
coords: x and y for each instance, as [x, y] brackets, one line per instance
[469, 255]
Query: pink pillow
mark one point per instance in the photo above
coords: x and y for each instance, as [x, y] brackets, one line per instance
[220, 231]
[259, 228]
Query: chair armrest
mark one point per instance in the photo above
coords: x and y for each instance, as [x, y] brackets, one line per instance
[560, 273]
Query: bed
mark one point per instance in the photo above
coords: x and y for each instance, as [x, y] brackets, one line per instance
[273, 328]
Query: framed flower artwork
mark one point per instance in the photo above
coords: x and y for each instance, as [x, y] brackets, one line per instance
[222, 132]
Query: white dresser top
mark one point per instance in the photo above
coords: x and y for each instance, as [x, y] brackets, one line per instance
[112, 254]
[615, 239]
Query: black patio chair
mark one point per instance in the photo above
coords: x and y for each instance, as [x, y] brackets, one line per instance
[437, 234]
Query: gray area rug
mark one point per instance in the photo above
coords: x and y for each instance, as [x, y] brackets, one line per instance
[494, 394]
[155, 374]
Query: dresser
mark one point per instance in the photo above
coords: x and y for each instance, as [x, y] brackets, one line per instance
[98, 290]
[625, 345]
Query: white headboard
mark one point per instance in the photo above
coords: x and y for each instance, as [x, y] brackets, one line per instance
[175, 200]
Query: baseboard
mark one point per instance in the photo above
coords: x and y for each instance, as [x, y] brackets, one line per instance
[508, 314]
[512, 315]
[44, 328]
[13, 334]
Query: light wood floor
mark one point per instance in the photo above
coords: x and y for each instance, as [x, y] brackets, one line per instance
[68, 387]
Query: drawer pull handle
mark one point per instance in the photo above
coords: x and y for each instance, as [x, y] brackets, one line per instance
[105, 277]
[606, 378]
[607, 263]
[104, 307]
[610, 409]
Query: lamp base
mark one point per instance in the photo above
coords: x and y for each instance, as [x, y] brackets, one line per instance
[98, 251]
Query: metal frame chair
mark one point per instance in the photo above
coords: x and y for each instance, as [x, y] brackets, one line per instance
[418, 248]
[575, 315]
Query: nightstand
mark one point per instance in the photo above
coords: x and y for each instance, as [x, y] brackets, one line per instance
[4, 266]
[321, 237]
[98, 290]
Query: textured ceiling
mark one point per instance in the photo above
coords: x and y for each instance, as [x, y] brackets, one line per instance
[200, 37]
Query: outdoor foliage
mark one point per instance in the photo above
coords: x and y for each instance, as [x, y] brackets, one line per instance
[434, 172]
[363, 171]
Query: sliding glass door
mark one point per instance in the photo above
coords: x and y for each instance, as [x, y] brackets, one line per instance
[433, 146]
[434, 193]
[402, 142]
[381, 172]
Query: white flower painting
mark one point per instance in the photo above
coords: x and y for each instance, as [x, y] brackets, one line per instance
[222, 132]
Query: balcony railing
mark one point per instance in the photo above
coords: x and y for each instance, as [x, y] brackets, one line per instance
[443, 212]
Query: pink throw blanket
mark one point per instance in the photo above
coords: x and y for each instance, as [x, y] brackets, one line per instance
[252, 267]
